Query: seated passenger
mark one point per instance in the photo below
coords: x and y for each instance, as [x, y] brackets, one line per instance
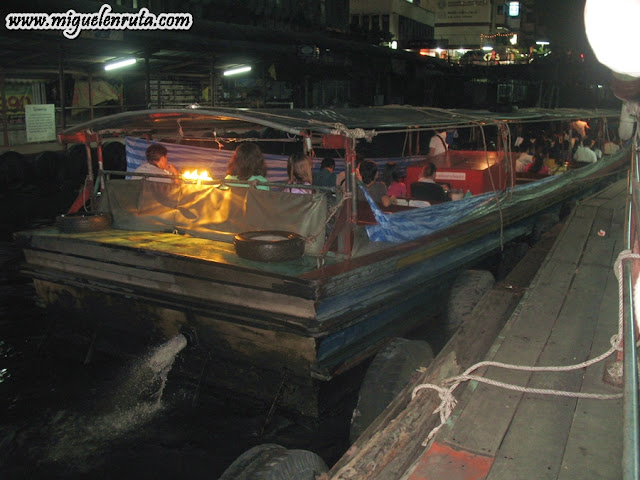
[526, 157]
[584, 153]
[538, 165]
[391, 178]
[325, 177]
[157, 163]
[247, 163]
[555, 167]
[377, 190]
[299, 172]
[426, 187]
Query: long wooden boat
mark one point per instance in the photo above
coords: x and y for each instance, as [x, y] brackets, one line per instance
[281, 330]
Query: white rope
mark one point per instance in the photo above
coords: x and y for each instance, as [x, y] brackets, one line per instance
[312, 238]
[448, 401]
[341, 129]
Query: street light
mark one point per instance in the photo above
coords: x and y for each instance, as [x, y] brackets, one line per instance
[612, 31]
[119, 64]
[235, 71]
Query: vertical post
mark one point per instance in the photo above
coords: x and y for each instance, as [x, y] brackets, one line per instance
[212, 86]
[121, 96]
[87, 146]
[3, 105]
[351, 182]
[147, 74]
[158, 92]
[90, 95]
[100, 160]
[63, 124]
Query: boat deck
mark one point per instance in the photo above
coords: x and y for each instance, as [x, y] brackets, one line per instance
[567, 316]
[562, 315]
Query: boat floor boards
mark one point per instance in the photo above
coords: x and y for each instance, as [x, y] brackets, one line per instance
[567, 316]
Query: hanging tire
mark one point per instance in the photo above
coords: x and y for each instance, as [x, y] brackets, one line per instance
[467, 290]
[13, 170]
[389, 372]
[83, 222]
[542, 225]
[269, 245]
[274, 462]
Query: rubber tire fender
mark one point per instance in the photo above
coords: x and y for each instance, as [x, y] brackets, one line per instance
[83, 222]
[274, 462]
[269, 245]
[389, 372]
[467, 290]
[542, 225]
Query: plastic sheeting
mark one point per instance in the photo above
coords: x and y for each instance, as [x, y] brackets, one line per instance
[209, 212]
[409, 225]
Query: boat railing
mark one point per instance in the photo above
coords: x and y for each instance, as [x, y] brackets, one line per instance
[631, 274]
[107, 174]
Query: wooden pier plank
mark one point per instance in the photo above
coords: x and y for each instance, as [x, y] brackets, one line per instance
[542, 424]
[533, 323]
[601, 419]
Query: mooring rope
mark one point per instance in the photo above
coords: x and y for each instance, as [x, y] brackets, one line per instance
[448, 401]
[312, 238]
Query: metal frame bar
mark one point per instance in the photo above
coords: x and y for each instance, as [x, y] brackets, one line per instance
[630, 452]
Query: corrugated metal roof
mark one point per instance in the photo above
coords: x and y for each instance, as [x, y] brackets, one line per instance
[222, 122]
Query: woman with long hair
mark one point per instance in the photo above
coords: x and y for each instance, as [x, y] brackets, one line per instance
[247, 163]
[299, 172]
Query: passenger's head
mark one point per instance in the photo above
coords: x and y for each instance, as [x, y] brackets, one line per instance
[390, 173]
[157, 155]
[429, 170]
[299, 168]
[328, 163]
[247, 161]
[368, 171]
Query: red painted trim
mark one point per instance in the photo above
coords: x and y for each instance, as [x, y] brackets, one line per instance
[441, 461]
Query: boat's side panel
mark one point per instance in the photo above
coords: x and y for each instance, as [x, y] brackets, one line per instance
[177, 283]
[236, 357]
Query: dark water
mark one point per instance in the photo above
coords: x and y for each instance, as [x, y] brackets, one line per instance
[62, 418]
[65, 419]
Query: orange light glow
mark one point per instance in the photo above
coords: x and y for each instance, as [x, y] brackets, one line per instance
[424, 51]
[196, 177]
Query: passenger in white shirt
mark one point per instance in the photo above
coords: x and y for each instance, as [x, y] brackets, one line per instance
[157, 163]
[584, 153]
[438, 143]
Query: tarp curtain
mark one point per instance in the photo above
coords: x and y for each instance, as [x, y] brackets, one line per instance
[210, 212]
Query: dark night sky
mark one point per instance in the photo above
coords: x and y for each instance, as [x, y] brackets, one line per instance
[564, 21]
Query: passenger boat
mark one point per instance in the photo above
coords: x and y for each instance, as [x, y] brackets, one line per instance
[151, 260]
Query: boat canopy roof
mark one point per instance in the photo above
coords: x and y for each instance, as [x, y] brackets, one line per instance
[363, 122]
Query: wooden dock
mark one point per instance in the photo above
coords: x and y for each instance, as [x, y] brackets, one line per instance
[567, 315]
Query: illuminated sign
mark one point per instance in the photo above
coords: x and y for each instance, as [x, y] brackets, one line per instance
[514, 9]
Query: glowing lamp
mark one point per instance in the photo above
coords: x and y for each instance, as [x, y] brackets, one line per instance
[119, 64]
[196, 177]
[611, 24]
[236, 71]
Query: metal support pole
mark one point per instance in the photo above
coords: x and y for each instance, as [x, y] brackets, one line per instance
[91, 95]
[631, 425]
[63, 124]
[3, 105]
[147, 74]
[212, 92]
